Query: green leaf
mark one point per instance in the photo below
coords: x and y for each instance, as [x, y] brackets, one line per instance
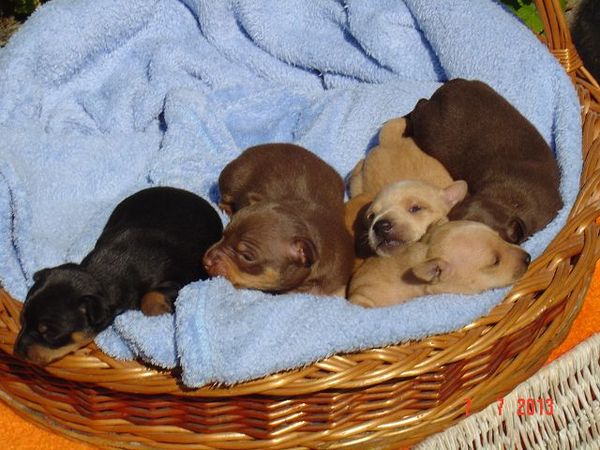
[25, 7]
[527, 12]
[529, 15]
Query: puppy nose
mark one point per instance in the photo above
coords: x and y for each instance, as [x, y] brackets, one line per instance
[209, 259]
[527, 259]
[382, 227]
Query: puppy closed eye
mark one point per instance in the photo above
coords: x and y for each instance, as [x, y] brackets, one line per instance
[248, 257]
[496, 261]
[245, 253]
[51, 335]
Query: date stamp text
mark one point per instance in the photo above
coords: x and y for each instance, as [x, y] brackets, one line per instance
[525, 406]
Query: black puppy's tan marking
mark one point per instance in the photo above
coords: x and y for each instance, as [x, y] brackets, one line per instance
[156, 303]
[150, 248]
[41, 354]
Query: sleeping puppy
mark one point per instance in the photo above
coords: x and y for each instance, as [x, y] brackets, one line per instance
[396, 158]
[402, 212]
[276, 173]
[149, 249]
[284, 247]
[481, 138]
[414, 206]
[585, 29]
[455, 257]
[286, 232]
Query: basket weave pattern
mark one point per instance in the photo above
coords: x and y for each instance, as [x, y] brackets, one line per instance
[568, 419]
[378, 398]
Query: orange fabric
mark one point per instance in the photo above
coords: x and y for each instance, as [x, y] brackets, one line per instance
[17, 434]
[587, 322]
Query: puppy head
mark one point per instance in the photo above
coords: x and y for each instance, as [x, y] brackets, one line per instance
[468, 257]
[63, 311]
[495, 214]
[265, 246]
[402, 212]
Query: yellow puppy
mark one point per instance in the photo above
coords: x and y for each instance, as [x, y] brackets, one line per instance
[455, 257]
[396, 158]
[402, 212]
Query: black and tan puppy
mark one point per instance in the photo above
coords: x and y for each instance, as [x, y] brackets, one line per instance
[149, 249]
[481, 138]
[287, 229]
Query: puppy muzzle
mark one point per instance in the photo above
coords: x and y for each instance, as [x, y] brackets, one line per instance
[523, 260]
[213, 263]
[384, 237]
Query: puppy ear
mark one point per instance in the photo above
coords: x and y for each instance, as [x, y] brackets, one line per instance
[515, 231]
[430, 271]
[392, 132]
[455, 193]
[253, 198]
[94, 309]
[304, 252]
[40, 275]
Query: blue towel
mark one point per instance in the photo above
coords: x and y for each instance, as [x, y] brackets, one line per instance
[100, 98]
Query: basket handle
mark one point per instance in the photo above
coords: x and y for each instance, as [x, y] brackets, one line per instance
[557, 35]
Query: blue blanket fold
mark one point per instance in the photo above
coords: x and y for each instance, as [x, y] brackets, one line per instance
[100, 98]
[241, 335]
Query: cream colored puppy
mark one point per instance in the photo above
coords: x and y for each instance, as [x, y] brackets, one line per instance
[402, 212]
[413, 207]
[395, 158]
[454, 257]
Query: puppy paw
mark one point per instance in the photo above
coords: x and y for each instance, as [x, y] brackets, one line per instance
[155, 304]
[361, 300]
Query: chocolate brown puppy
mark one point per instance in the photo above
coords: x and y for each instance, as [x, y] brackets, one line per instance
[287, 229]
[284, 247]
[276, 173]
[148, 250]
[481, 138]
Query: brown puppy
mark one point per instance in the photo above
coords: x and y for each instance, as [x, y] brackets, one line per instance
[277, 173]
[455, 257]
[481, 138]
[287, 232]
[396, 158]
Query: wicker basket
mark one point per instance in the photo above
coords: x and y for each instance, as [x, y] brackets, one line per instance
[382, 398]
